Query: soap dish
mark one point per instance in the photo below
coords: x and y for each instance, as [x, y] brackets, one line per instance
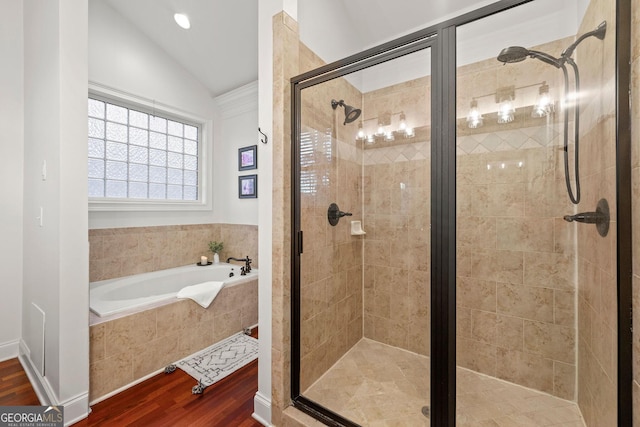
[356, 228]
[204, 265]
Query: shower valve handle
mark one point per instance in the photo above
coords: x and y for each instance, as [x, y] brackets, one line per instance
[600, 217]
[334, 214]
[586, 217]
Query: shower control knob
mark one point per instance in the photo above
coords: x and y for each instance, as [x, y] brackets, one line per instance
[600, 217]
[334, 214]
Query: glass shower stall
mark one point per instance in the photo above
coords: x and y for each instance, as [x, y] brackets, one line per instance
[460, 224]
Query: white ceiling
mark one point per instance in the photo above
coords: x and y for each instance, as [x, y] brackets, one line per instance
[221, 48]
[378, 21]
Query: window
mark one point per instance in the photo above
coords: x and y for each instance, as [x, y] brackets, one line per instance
[315, 156]
[137, 155]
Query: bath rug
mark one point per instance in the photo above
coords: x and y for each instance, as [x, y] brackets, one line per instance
[202, 293]
[221, 359]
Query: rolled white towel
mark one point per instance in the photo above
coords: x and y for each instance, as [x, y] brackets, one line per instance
[202, 293]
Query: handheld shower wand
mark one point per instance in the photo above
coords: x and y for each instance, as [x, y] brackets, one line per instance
[518, 53]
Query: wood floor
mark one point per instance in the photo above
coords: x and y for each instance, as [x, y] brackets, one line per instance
[15, 388]
[163, 400]
[166, 400]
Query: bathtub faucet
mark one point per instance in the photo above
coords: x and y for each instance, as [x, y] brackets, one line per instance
[247, 262]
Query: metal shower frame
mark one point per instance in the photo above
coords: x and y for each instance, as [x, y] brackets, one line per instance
[441, 38]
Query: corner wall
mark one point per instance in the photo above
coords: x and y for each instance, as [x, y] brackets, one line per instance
[11, 174]
[56, 276]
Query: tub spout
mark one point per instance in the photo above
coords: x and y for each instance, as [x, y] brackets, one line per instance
[247, 262]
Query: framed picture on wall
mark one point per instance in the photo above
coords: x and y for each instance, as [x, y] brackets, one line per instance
[248, 158]
[248, 187]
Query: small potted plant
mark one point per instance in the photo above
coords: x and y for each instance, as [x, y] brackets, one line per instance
[216, 247]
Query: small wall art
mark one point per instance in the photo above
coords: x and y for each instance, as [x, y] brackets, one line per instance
[248, 158]
[248, 187]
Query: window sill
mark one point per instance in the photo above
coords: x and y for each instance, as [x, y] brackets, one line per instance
[127, 205]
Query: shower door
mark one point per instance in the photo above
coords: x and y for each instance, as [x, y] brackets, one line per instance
[462, 264]
[363, 203]
[536, 156]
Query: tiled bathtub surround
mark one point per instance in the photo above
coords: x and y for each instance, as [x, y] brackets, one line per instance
[129, 348]
[118, 252]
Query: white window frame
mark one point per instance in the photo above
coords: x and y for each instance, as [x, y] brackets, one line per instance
[205, 126]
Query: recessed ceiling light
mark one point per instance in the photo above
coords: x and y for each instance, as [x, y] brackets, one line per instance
[182, 20]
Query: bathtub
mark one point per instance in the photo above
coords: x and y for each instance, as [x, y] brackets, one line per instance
[133, 293]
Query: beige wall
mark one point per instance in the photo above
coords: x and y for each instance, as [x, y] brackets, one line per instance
[118, 252]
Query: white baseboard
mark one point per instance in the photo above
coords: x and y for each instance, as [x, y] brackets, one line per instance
[124, 387]
[262, 409]
[75, 408]
[9, 350]
[40, 386]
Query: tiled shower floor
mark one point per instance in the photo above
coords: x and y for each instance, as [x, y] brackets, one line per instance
[378, 385]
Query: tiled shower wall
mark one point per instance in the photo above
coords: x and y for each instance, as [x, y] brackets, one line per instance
[516, 258]
[597, 307]
[118, 252]
[516, 266]
[331, 264]
[396, 218]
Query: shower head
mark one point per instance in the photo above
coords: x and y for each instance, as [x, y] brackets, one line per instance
[350, 113]
[512, 54]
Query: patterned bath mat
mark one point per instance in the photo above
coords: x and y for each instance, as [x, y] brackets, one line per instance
[221, 359]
